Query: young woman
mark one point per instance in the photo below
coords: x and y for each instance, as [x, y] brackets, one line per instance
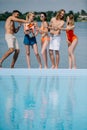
[72, 40]
[44, 38]
[30, 30]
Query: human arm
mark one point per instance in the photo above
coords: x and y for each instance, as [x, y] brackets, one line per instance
[36, 29]
[17, 29]
[68, 25]
[56, 26]
[18, 20]
[68, 42]
[68, 28]
[50, 27]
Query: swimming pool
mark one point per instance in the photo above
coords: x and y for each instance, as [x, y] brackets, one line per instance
[39, 99]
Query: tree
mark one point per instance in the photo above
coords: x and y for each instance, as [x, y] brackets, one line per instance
[76, 15]
[83, 12]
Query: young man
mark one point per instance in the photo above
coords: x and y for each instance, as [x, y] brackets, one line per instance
[10, 37]
[55, 24]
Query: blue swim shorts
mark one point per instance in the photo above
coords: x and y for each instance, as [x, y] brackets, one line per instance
[29, 40]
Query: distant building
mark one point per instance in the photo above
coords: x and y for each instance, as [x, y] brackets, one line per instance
[82, 18]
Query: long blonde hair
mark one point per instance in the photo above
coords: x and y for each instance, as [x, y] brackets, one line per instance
[58, 14]
[29, 14]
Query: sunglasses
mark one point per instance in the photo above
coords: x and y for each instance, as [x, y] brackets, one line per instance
[41, 16]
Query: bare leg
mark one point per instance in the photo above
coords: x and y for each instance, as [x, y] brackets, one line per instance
[57, 59]
[69, 55]
[70, 62]
[27, 47]
[9, 52]
[52, 58]
[44, 53]
[71, 52]
[15, 56]
[37, 55]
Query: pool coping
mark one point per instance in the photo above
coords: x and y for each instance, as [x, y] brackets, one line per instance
[43, 72]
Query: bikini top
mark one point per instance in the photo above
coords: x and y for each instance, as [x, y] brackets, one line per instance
[42, 28]
[30, 25]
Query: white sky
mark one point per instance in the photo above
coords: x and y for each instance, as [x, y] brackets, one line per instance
[42, 5]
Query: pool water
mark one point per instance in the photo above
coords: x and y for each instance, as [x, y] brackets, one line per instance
[47, 100]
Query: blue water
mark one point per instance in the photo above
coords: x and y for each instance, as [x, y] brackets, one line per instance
[47, 100]
[80, 51]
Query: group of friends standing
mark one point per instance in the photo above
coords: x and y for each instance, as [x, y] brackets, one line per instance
[50, 36]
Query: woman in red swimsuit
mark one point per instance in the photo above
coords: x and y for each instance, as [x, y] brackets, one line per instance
[72, 40]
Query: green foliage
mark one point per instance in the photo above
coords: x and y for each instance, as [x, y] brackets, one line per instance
[50, 14]
[83, 12]
[4, 16]
[76, 15]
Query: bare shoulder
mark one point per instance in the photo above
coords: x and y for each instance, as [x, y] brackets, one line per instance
[8, 21]
[14, 18]
[53, 19]
[62, 22]
[45, 23]
[35, 23]
[9, 18]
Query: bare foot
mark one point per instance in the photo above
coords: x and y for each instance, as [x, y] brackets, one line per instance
[53, 67]
[45, 67]
[29, 67]
[74, 68]
[56, 67]
[40, 66]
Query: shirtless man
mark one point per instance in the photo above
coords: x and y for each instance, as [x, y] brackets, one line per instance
[55, 24]
[10, 38]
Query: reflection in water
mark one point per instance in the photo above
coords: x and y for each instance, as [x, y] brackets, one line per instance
[37, 103]
[54, 118]
[70, 103]
[12, 114]
[31, 93]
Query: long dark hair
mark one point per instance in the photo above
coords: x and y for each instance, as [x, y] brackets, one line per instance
[44, 15]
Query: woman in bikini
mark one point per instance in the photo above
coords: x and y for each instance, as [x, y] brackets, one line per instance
[44, 38]
[72, 40]
[30, 31]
